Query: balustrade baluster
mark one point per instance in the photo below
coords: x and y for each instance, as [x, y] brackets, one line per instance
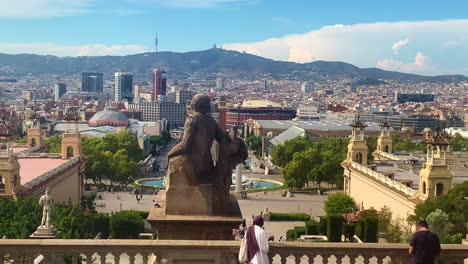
[74, 259]
[102, 257]
[271, 257]
[325, 258]
[131, 257]
[283, 258]
[89, 256]
[116, 258]
[366, 259]
[297, 258]
[339, 259]
[145, 257]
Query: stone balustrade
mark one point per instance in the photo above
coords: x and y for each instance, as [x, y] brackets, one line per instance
[214, 252]
[382, 178]
[388, 156]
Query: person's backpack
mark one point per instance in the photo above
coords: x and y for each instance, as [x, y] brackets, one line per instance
[243, 251]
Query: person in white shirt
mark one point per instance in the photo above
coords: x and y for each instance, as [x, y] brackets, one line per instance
[257, 243]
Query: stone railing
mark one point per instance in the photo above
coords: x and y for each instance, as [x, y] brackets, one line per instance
[387, 156]
[214, 252]
[382, 178]
[51, 173]
[27, 154]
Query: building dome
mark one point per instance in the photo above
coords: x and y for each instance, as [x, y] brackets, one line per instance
[108, 117]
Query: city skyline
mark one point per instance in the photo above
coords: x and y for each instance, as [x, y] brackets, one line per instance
[408, 37]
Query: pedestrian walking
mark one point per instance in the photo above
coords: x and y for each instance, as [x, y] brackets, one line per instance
[257, 243]
[425, 245]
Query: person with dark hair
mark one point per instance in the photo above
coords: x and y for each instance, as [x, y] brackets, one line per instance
[257, 243]
[425, 245]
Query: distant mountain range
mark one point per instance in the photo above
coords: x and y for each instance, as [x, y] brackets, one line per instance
[214, 61]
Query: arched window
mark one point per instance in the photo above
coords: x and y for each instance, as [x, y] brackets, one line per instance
[359, 157]
[69, 152]
[386, 148]
[439, 189]
[2, 186]
[33, 142]
[424, 188]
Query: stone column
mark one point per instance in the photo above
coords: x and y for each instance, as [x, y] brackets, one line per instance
[239, 179]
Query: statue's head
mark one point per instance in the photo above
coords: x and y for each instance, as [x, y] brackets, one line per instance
[201, 104]
[47, 190]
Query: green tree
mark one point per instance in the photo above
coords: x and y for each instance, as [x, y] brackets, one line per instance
[459, 143]
[156, 140]
[453, 203]
[283, 153]
[339, 203]
[53, 144]
[126, 224]
[302, 168]
[113, 157]
[254, 142]
[439, 223]
[166, 136]
[371, 143]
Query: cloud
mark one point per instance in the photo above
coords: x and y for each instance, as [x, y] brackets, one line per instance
[366, 44]
[194, 3]
[63, 50]
[127, 12]
[396, 47]
[42, 8]
[420, 64]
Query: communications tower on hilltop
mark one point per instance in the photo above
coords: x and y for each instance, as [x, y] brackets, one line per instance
[156, 42]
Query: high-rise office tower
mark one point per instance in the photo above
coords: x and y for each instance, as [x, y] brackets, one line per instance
[159, 83]
[59, 90]
[91, 82]
[123, 86]
[265, 85]
[220, 83]
[307, 87]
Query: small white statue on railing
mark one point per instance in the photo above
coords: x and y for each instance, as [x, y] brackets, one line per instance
[47, 206]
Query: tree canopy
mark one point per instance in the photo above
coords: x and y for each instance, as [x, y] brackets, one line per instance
[339, 203]
[306, 161]
[114, 157]
[254, 142]
[453, 203]
[459, 143]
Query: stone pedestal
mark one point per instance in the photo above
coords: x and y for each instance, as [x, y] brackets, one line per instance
[45, 233]
[191, 226]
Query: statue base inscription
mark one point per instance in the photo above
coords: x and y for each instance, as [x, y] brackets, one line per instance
[45, 233]
[194, 226]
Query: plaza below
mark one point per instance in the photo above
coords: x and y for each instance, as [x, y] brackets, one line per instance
[214, 252]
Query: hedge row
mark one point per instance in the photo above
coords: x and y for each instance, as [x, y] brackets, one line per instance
[312, 228]
[367, 229]
[334, 223]
[291, 235]
[289, 217]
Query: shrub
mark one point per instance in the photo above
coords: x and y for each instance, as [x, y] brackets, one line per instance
[300, 231]
[371, 230]
[350, 230]
[143, 214]
[360, 228]
[334, 223]
[126, 224]
[291, 235]
[323, 225]
[289, 217]
[452, 239]
[339, 203]
[98, 223]
[312, 228]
